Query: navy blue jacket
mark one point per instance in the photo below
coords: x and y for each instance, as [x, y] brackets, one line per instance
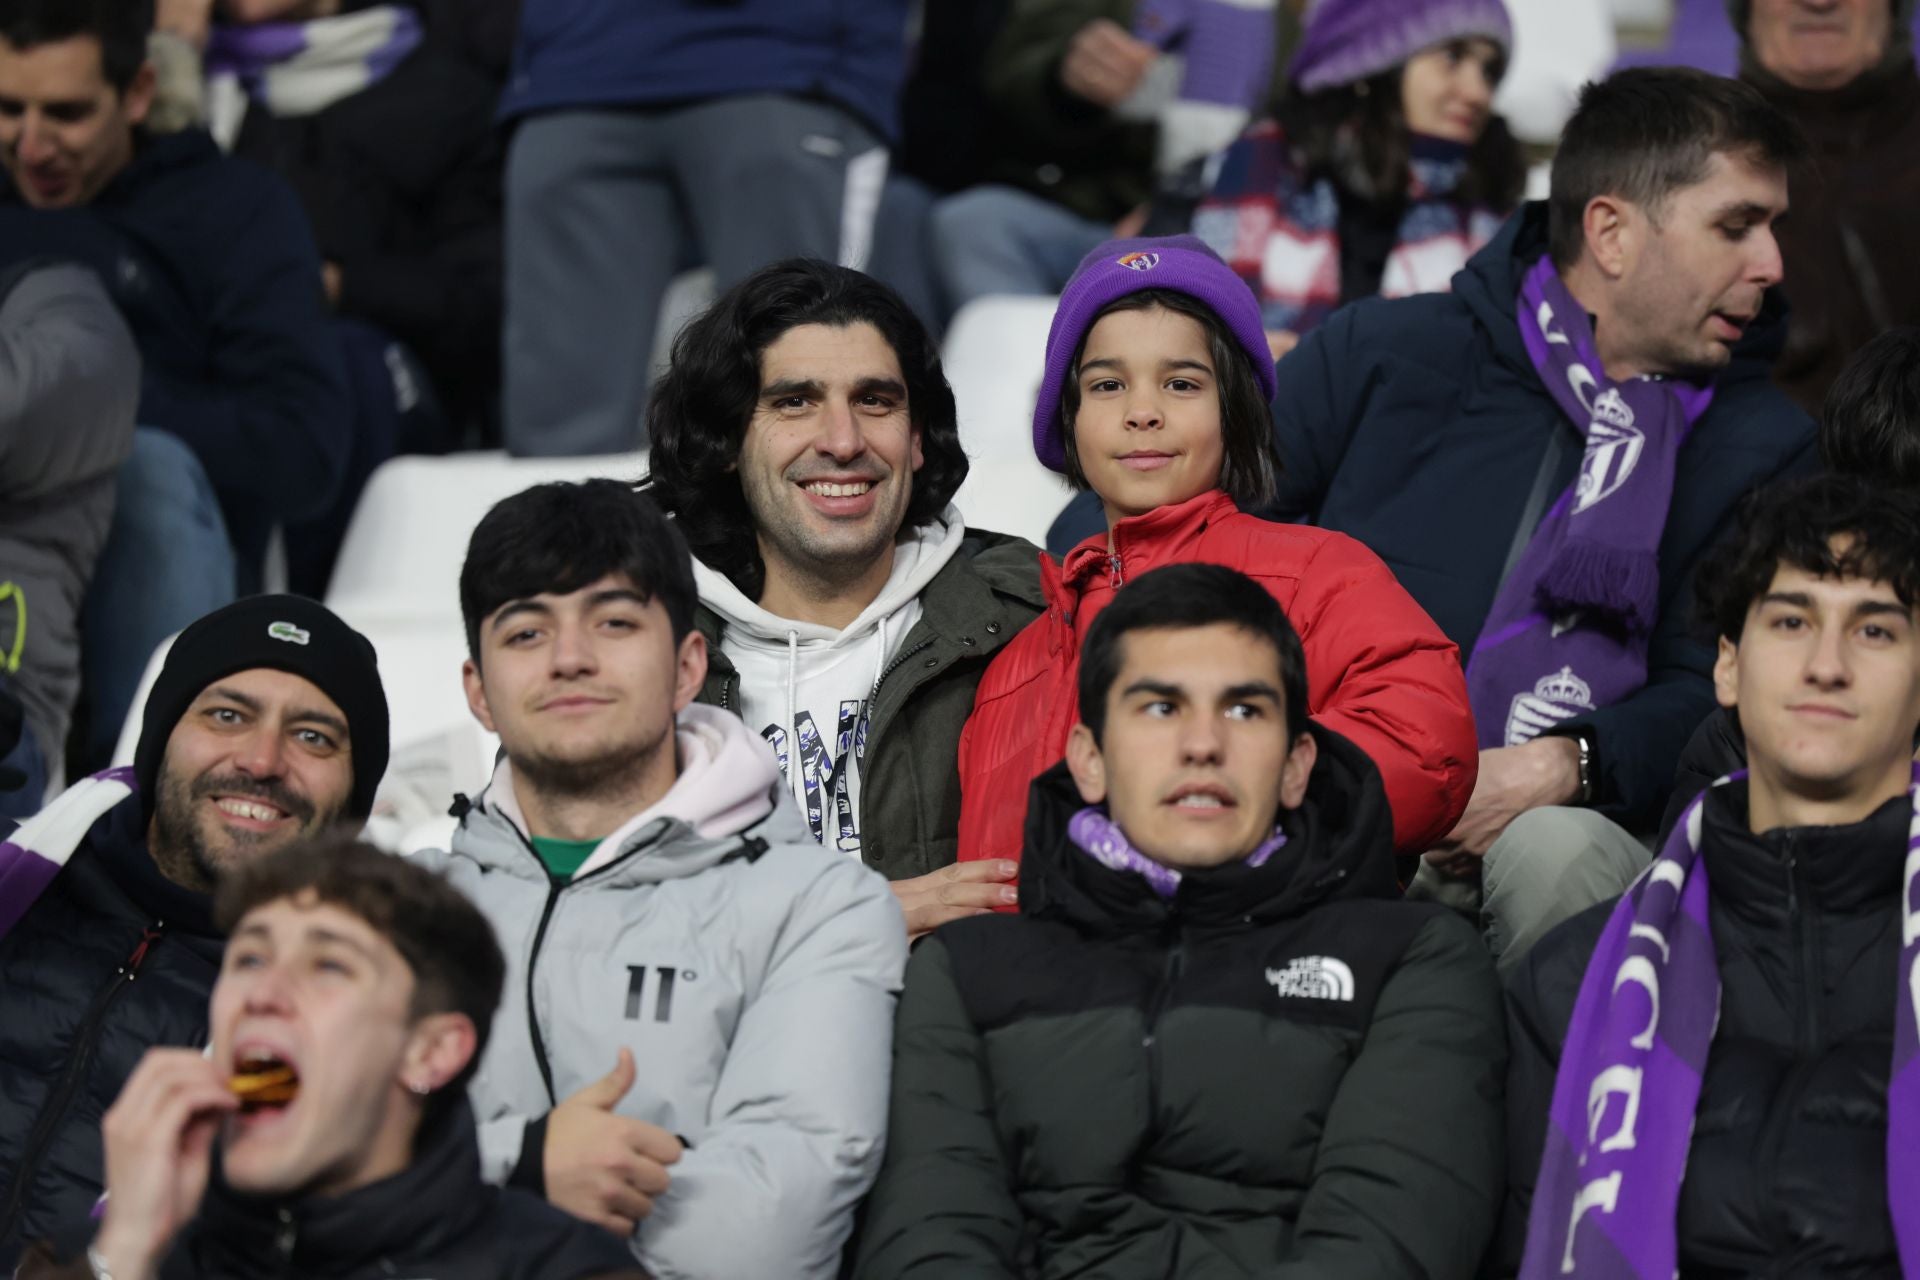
[213, 265]
[608, 53]
[111, 960]
[1420, 427]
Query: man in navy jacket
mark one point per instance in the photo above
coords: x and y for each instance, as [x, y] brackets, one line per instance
[1424, 428]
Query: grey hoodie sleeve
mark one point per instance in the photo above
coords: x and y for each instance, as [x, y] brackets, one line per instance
[799, 1116]
[69, 382]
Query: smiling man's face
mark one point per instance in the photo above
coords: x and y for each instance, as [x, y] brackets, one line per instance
[828, 460]
[1195, 762]
[260, 759]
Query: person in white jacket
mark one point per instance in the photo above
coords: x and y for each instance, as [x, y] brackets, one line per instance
[694, 1045]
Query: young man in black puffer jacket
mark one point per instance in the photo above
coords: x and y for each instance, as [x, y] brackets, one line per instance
[1214, 1041]
[367, 984]
[1701, 1071]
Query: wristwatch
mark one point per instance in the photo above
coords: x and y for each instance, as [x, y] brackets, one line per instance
[1584, 740]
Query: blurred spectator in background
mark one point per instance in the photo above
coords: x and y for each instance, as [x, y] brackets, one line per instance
[1384, 170]
[212, 264]
[1091, 101]
[1844, 71]
[649, 137]
[389, 141]
[69, 384]
[945, 146]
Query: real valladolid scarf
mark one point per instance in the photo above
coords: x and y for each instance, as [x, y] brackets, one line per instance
[1629, 1081]
[1569, 628]
[33, 856]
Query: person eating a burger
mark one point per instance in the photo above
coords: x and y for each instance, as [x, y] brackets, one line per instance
[325, 1133]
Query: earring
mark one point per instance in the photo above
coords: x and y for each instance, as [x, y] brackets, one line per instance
[418, 1088]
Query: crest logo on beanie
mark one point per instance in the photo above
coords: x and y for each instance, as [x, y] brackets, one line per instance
[1139, 261]
[288, 632]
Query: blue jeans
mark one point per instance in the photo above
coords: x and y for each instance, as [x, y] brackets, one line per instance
[167, 562]
[992, 240]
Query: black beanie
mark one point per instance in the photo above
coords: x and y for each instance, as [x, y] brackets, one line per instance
[283, 633]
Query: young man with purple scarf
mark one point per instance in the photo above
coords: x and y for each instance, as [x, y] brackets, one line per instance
[267, 724]
[1716, 1075]
[1215, 1041]
[1543, 455]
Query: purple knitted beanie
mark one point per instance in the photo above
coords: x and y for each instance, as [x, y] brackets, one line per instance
[1349, 40]
[1117, 268]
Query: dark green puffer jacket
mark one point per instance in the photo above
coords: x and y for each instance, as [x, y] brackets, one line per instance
[910, 786]
[1283, 1072]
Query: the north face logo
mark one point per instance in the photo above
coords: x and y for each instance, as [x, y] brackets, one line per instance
[1313, 978]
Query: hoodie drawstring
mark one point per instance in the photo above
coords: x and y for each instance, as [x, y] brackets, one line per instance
[793, 681]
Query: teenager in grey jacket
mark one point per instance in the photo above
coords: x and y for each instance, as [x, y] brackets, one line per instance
[694, 1045]
[69, 385]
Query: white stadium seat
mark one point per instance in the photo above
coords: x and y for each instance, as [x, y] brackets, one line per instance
[402, 554]
[994, 355]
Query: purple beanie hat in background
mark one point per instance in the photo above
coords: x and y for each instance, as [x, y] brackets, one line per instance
[1348, 40]
[1117, 268]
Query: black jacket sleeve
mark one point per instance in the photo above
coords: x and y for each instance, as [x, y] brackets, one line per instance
[943, 1205]
[1716, 749]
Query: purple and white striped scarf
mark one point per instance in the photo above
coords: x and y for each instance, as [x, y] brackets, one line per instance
[1568, 631]
[34, 854]
[1621, 1123]
[302, 68]
[1100, 838]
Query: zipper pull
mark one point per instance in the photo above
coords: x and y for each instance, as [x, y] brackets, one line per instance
[1113, 562]
[283, 1239]
[147, 938]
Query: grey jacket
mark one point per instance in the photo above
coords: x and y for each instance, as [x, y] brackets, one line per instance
[69, 387]
[752, 973]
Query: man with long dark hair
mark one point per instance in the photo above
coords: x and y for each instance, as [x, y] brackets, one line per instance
[804, 441]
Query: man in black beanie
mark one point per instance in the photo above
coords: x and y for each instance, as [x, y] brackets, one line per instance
[267, 724]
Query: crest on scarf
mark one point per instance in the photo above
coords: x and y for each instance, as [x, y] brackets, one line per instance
[1614, 445]
[1557, 697]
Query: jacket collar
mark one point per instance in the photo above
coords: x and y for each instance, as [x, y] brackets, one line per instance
[119, 843]
[1139, 543]
[1339, 845]
[426, 1209]
[1837, 869]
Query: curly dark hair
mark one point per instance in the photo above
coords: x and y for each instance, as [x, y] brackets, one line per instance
[698, 415]
[1798, 523]
[1356, 135]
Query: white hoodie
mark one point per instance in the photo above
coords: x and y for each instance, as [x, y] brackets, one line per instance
[812, 685]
